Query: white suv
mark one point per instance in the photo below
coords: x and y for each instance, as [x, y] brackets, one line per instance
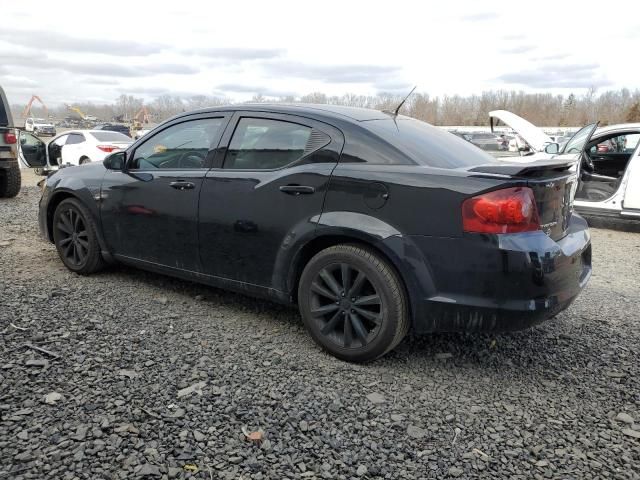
[39, 126]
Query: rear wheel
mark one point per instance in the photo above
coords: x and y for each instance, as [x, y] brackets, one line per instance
[353, 303]
[10, 180]
[74, 234]
[84, 160]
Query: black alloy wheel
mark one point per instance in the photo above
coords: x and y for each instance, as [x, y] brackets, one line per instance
[345, 305]
[353, 303]
[73, 238]
[74, 234]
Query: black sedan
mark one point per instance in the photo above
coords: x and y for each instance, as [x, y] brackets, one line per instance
[372, 223]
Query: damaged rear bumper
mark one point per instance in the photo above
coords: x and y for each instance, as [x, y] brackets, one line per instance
[503, 282]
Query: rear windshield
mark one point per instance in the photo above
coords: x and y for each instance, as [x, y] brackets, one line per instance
[107, 136]
[429, 145]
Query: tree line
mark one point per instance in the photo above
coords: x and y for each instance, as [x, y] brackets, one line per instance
[542, 109]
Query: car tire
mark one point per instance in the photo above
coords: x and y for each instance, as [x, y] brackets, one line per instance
[75, 237]
[84, 160]
[353, 303]
[10, 180]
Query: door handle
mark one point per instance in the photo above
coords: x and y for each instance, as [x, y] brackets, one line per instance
[181, 185]
[297, 189]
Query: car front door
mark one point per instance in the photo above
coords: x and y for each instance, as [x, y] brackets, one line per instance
[149, 211]
[265, 192]
[32, 151]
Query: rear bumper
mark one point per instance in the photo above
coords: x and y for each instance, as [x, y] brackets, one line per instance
[7, 155]
[502, 282]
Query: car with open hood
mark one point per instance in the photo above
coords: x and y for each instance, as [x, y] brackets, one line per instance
[607, 160]
[371, 222]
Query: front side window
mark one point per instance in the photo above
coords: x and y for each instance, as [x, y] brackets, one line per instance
[264, 144]
[577, 142]
[184, 145]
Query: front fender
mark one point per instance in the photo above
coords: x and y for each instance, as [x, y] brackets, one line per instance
[62, 185]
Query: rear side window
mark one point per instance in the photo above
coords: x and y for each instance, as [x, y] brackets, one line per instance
[264, 144]
[75, 138]
[108, 136]
[429, 145]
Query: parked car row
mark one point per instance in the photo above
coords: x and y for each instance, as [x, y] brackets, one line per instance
[41, 127]
[485, 140]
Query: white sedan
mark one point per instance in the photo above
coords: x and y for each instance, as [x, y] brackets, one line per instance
[82, 146]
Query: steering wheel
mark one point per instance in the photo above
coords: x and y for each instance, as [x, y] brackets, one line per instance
[587, 162]
[191, 159]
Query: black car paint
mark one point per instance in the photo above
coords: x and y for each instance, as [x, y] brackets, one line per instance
[366, 191]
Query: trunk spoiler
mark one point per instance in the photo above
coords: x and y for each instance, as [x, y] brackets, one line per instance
[540, 167]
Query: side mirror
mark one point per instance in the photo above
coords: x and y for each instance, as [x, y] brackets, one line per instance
[552, 148]
[115, 161]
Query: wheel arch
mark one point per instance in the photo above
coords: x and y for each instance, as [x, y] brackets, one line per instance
[53, 203]
[60, 195]
[390, 249]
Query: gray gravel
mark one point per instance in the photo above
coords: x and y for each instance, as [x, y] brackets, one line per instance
[145, 376]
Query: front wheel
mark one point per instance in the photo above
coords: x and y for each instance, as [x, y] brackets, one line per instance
[353, 303]
[74, 234]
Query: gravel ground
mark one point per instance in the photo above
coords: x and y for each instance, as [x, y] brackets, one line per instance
[145, 376]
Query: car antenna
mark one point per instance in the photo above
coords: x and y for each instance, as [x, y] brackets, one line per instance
[395, 112]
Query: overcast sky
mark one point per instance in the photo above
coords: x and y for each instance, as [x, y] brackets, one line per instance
[77, 51]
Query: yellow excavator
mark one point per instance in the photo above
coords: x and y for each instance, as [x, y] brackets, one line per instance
[83, 121]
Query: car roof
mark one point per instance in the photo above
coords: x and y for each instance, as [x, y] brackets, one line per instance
[336, 111]
[83, 131]
[614, 128]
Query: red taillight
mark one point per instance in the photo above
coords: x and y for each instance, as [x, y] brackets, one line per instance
[10, 138]
[509, 210]
[107, 148]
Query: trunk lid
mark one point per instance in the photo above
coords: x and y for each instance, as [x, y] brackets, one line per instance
[554, 184]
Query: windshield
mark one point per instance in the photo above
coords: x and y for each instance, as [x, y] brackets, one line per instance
[107, 136]
[429, 145]
[578, 141]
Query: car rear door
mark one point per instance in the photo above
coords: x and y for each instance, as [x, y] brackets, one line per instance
[265, 192]
[149, 211]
